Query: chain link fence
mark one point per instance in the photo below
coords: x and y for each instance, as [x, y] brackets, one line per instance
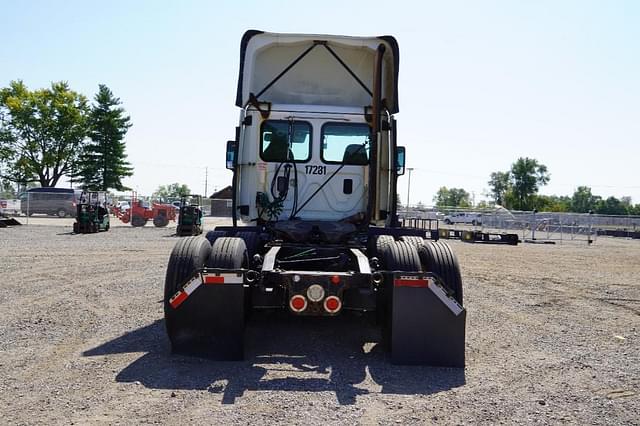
[529, 225]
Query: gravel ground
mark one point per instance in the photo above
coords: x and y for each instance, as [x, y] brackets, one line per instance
[552, 337]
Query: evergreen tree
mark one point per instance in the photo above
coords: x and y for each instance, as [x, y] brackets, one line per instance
[103, 165]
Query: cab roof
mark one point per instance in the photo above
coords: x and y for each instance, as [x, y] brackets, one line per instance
[311, 69]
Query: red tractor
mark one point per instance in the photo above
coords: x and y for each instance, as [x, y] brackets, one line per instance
[140, 212]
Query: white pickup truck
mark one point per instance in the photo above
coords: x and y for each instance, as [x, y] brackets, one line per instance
[463, 217]
[10, 207]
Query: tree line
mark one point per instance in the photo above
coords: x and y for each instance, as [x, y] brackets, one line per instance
[50, 133]
[517, 189]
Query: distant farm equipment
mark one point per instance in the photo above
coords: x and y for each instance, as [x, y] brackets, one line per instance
[92, 214]
[189, 218]
[140, 212]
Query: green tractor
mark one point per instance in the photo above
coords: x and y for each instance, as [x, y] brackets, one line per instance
[92, 213]
[189, 218]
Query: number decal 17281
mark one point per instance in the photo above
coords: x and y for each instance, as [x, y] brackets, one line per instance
[315, 170]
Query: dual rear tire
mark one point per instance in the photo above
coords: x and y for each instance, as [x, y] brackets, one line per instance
[416, 254]
[222, 304]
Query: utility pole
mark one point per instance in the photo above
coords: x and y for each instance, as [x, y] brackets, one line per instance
[206, 180]
[410, 169]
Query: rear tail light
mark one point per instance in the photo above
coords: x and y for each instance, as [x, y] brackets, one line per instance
[332, 304]
[298, 303]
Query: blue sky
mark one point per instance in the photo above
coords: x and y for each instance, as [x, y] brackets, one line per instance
[481, 82]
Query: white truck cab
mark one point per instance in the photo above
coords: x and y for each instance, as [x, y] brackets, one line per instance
[315, 163]
[304, 142]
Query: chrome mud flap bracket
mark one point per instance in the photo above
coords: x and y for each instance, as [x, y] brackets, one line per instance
[206, 317]
[427, 325]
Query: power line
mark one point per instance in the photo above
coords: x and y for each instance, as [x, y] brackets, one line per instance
[552, 184]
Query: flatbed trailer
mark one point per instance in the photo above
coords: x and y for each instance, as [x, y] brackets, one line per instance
[474, 236]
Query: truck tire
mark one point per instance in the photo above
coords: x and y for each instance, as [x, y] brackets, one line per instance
[228, 253]
[160, 221]
[402, 256]
[397, 256]
[251, 240]
[378, 245]
[137, 221]
[413, 240]
[61, 213]
[231, 253]
[438, 258]
[188, 254]
[212, 236]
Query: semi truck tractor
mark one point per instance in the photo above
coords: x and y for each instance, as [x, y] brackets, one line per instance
[315, 162]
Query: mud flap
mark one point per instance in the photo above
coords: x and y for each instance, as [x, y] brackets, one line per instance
[206, 318]
[427, 326]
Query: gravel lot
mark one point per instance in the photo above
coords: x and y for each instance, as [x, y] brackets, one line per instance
[552, 337]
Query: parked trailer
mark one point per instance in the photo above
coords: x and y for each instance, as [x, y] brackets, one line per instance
[315, 164]
[472, 236]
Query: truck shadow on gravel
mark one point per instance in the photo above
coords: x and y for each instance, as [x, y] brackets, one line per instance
[341, 355]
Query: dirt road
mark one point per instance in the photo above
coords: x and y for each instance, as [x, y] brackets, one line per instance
[552, 337]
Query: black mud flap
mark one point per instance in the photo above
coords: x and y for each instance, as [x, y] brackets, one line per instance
[206, 318]
[427, 326]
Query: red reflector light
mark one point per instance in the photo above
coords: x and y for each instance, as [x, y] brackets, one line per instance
[210, 279]
[335, 279]
[332, 304]
[298, 303]
[410, 282]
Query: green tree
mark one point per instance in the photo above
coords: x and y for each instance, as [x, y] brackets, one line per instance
[552, 203]
[41, 132]
[583, 200]
[612, 206]
[103, 164]
[7, 190]
[453, 197]
[527, 175]
[499, 183]
[173, 190]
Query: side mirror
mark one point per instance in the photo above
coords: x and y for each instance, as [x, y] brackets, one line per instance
[231, 155]
[400, 159]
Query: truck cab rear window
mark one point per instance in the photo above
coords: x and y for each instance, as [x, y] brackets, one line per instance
[283, 140]
[346, 143]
